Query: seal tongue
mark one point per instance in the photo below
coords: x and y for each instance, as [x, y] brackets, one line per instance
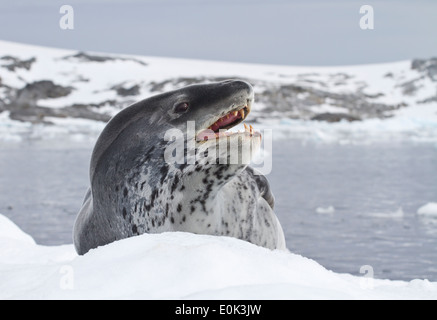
[224, 121]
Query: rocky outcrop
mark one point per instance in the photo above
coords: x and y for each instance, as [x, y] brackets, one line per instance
[122, 91]
[296, 101]
[40, 114]
[24, 104]
[186, 81]
[32, 92]
[13, 63]
[85, 57]
[335, 117]
[428, 67]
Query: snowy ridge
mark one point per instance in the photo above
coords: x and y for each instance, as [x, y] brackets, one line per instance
[46, 93]
[179, 266]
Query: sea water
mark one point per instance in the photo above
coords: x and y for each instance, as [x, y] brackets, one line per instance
[345, 206]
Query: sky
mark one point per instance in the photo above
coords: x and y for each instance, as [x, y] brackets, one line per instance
[285, 32]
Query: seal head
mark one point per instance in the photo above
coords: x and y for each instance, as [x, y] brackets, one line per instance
[171, 163]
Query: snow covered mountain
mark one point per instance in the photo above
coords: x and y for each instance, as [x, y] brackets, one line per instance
[62, 91]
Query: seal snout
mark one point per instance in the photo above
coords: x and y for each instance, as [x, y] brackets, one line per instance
[236, 99]
[242, 92]
[241, 86]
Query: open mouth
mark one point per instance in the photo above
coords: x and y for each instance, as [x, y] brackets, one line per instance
[219, 128]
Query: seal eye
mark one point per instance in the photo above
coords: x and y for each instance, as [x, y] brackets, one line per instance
[181, 107]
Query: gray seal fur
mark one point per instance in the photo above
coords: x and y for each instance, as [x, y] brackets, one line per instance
[135, 191]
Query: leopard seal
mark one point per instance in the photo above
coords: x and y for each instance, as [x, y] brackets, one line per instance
[135, 189]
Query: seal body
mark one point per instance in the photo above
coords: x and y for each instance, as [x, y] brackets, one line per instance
[139, 185]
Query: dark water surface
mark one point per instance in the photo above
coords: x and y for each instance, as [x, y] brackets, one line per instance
[375, 190]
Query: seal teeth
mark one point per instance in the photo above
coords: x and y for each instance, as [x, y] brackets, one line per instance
[241, 113]
[246, 128]
[251, 129]
[235, 113]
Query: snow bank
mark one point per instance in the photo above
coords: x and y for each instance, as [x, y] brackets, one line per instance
[9, 231]
[179, 266]
[429, 210]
